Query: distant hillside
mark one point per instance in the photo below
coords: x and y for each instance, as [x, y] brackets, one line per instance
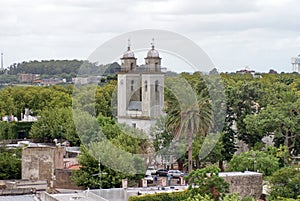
[61, 67]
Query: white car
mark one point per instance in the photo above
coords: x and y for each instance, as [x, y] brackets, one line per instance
[148, 178]
[175, 173]
[151, 170]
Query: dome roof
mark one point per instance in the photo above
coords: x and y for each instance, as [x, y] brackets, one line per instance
[128, 54]
[153, 52]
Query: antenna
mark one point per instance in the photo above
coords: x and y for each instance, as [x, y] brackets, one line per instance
[2, 61]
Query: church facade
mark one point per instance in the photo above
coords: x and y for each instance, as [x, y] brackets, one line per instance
[140, 90]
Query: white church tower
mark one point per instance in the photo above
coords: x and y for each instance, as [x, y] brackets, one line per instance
[140, 90]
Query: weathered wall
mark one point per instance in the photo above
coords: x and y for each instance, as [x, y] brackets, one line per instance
[59, 155]
[63, 179]
[248, 184]
[38, 163]
[18, 184]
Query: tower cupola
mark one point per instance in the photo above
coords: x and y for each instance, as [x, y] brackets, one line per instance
[153, 61]
[128, 60]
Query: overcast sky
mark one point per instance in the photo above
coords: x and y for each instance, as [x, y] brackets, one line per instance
[261, 34]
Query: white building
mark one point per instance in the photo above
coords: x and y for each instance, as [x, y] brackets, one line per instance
[296, 64]
[140, 90]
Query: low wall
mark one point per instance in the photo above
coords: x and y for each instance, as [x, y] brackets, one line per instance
[18, 187]
[244, 183]
[37, 185]
[21, 191]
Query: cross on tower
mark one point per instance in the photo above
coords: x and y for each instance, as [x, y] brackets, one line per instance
[129, 44]
[152, 44]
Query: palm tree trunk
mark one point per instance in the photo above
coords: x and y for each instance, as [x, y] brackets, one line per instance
[190, 152]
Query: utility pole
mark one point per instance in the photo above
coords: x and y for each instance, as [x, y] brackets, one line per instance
[2, 61]
[100, 174]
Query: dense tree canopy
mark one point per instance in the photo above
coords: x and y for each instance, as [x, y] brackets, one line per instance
[254, 161]
[285, 183]
[62, 67]
[117, 147]
[55, 123]
[91, 175]
[14, 100]
[10, 164]
[254, 107]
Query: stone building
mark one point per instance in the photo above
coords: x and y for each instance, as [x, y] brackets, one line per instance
[140, 90]
[47, 163]
[40, 162]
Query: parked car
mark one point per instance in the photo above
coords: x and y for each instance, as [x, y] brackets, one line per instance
[184, 174]
[162, 172]
[148, 178]
[151, 170]
[175, 173]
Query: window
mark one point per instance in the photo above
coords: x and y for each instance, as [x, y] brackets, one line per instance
[156, 86]
[146, 86]
[131, 66]
[132, 83]
[156, 66]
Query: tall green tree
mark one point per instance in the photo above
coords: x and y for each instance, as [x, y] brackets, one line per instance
[103, 99]
[191, 116]
[215, 154]
[55, 123]
[282, 120]
[93, 174]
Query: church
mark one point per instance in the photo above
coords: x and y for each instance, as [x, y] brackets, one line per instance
[140, 90]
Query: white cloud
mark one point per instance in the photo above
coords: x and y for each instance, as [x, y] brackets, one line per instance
[235, 33]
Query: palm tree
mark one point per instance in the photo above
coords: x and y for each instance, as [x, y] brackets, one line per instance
[190, 117]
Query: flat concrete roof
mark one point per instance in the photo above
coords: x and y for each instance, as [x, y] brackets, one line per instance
[72, 196]
[232, 174]
[18, 198]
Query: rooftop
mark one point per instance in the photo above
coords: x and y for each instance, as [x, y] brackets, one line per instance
[231, 174]
[18, 198]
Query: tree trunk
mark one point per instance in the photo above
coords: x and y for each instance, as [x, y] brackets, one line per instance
[197, 163]
[286, 140]
[190, 152]
[221, 165]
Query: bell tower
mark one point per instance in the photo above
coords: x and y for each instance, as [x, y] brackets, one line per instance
[153, 82]
[140, 90]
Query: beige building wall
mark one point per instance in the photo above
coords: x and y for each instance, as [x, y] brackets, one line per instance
[39, 163]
